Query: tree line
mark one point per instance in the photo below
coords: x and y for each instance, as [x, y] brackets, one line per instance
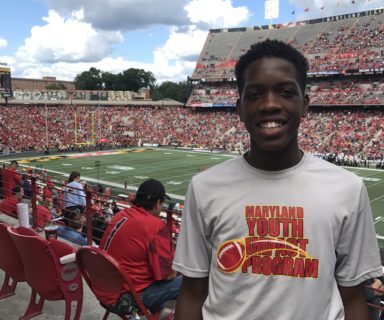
[132, 80]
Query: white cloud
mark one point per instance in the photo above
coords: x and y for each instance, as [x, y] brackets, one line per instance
[3, 42]
[68, 40]
[66, 46]
[216, 13]
[170, 60]
[126, 14]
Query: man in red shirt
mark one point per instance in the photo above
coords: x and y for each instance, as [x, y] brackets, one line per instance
[8, 205]
[140, 241]
[43, 214]
[10, 178]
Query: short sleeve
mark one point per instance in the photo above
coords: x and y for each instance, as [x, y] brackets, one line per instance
[193, 249]
[160, 254]
[357, 250]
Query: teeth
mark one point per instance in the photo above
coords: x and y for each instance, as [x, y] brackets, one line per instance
[269, 125]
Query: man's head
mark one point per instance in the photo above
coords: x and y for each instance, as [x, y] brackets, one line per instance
[74, 219]
[18, 192]
[151, 195]
[14, 164]
[272, 49]
[271, 80]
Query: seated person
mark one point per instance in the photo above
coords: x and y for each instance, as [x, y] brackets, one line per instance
[8, 205]
[99, 224]
[74, 221]
[373, 294]
[43, 214]
[140, 241]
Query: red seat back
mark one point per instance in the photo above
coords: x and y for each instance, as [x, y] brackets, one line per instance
[10, 261]
[39, 265]
[44, 273]
[104, 274]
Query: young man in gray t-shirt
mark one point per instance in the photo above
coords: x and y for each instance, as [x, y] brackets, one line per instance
[276, 233]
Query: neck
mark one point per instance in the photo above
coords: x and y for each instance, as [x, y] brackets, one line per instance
[273, 160]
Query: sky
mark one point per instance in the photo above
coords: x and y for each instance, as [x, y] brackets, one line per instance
[64, 38]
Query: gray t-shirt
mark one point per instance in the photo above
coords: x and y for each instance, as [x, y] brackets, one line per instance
[275, 245]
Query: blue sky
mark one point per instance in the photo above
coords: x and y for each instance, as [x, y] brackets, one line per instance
[63, 38]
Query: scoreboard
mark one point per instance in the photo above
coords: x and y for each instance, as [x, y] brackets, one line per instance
[5, 82]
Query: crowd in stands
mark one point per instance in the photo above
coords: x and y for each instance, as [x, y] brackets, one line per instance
[355, 45]
[353, 130]
[365, 91]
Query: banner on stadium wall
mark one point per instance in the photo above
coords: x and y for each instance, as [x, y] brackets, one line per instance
[222, 105]
[271, 9]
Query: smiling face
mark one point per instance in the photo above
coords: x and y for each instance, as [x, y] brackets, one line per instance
[271, 106]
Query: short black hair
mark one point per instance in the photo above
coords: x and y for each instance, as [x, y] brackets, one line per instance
[268, 49]
[147, 204]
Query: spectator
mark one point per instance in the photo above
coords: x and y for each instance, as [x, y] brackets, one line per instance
[10, 178]
[26, 185]
[74, 221]
[9, 204]
[140, 241]
[241, 249]
[74, 196]
[99, 224]
[373, 294]
[43, 214]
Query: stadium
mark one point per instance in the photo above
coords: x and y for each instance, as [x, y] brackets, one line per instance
[118, 139]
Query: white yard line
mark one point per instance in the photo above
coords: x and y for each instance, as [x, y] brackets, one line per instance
[108, 183]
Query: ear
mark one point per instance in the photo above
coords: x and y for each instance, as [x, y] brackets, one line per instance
[306, 105]
[159, 205]
[238, 109]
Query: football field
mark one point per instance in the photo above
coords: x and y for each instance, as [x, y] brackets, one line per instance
[174, 167]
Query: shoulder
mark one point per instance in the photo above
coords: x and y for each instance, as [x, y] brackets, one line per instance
[225, 168]
[332, 176]
[316, 164]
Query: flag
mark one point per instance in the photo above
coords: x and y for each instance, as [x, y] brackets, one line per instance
[271, 9]
[306, 9]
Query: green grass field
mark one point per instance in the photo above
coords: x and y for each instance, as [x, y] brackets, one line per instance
[174, 168]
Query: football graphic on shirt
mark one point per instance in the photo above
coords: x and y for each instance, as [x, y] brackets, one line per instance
[230, 255]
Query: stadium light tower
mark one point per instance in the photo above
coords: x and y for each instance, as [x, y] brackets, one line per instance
[5, 82]
[46, 126]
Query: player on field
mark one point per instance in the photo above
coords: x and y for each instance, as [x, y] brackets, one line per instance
[277, 233]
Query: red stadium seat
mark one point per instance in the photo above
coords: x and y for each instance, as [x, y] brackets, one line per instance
[103, 273]
[10, 263]
[44, 273]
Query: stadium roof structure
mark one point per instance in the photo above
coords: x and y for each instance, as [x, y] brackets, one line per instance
[159, 103]
[223, 47]
[343, 48]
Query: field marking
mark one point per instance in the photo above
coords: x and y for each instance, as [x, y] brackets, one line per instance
[378, 220]
[363, 169]
[108, 183]
[118, 167]
[377, 198]
[66, 164]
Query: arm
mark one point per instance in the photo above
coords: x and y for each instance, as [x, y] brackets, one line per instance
[190, 301]
[355, 306]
